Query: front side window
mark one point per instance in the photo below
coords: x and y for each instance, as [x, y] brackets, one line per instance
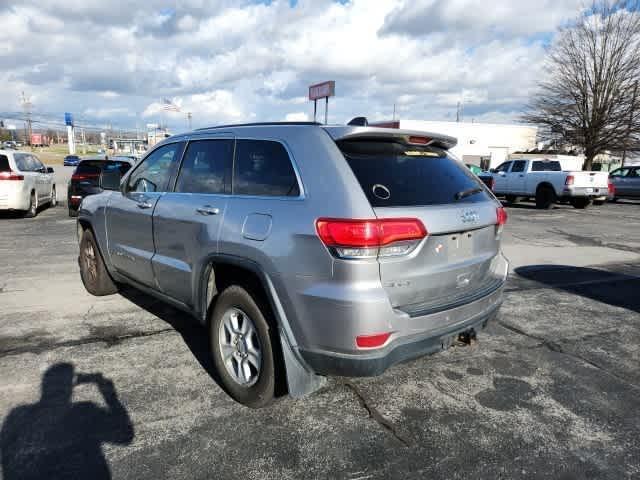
[518, 166]
[206, 167]
[263, 167]
[22, 162]
[155, 171]
[634, 173]
[35, 163]
[503, 167]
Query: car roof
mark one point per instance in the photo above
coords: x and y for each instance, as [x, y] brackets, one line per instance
[342, 132]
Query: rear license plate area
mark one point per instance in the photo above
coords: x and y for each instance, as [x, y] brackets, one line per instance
[460, 245]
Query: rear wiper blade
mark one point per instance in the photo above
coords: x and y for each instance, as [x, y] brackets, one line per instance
[467, 193]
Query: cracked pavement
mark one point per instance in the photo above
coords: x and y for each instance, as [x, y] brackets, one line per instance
[549, 390]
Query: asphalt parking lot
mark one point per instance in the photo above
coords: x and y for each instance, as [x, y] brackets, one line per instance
[550, 390]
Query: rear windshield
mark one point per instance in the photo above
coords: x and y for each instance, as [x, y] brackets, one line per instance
[546, 166]
[396, 175]
[96, 166]
[4, 164]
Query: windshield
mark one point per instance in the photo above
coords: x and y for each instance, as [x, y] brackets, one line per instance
[393, 174]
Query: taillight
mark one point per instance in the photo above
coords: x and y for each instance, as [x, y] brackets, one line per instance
[501, 219]
[570, 179]
[501, 215]
[372, 341]
[370, 238]
[11, 176]
[611, 187]
[84, 176]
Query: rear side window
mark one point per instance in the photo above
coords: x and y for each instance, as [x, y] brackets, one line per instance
[395, 175]
[548, 166]
[519, 165]
[263, 168]
[4, 164]
[206, 167]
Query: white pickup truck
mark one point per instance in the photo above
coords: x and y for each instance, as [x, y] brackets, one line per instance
[545, 181]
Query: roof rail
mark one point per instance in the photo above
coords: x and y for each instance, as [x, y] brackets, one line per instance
[257, 124]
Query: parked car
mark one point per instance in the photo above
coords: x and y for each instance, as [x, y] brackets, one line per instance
[25, 183]
[474, 169]
[9, 145]
[625, 183]
[71, 161]
[545, 181]
[306, 250]
[85, 179]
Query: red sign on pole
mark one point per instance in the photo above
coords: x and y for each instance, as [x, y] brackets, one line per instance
[322, 90]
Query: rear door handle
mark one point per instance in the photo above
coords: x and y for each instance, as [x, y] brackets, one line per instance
[144, 204]
[208, 210]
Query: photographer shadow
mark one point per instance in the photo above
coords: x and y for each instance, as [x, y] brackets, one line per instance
[56, 438]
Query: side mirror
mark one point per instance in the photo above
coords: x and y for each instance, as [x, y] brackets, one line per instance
[110, 180]
[49, 170]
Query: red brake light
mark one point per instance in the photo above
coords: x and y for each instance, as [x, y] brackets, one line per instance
[501, 214]
[11, 176]
[415, 140]
[372, 341]
[335, 232]
[84, 176]
[370, 238]
[570, 179]
[612, 188]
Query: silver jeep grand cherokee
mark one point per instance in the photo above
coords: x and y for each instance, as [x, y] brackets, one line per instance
[306, 250]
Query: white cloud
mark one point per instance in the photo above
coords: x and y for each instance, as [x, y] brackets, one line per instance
[296, 117]
[230, 61]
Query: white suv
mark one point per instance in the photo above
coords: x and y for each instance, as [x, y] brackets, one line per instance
[25, 183]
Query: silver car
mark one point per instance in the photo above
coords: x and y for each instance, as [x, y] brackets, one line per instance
[625, 183]
[306, 250]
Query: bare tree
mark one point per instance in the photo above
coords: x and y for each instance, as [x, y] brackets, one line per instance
[590, 96]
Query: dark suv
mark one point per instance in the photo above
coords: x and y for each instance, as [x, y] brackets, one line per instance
[84, 180]
[306, 250]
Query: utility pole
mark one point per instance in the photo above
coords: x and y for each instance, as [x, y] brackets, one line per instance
[394, 112]
[189, 119]
[458, 112]
[26, 106]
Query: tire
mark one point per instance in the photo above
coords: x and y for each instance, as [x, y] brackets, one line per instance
[545, 196]
[93, 272]
[54, 198]
[598, 202]
[73, 213]
[247, 335]
[511, 199]
[614, 200]
[33, 206]
[580, 202]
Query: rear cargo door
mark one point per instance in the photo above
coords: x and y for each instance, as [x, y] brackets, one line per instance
[453, 264]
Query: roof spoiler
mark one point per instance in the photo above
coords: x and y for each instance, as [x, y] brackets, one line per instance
[410, 137]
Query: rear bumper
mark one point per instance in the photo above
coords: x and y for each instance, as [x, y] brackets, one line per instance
[447, 325]
[589, 192]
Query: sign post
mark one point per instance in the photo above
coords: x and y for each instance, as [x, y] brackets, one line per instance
[68, 120]
[322, 90]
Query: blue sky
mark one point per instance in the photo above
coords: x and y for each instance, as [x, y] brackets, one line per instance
[224, 61]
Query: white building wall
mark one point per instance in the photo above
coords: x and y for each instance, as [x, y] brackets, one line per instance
[481, 140]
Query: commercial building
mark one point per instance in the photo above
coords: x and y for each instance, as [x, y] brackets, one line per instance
[484, 144]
